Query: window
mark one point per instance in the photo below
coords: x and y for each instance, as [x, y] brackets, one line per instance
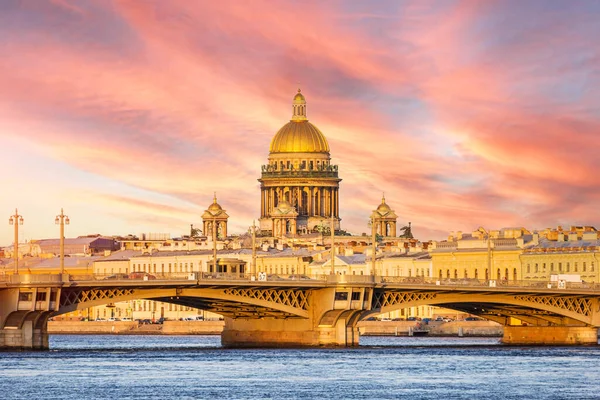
[584, 266]
[355, 296]
[25, 296]
[551, 267]
[536, 269]
[341, 296]
[592, 266]
[568, 267]
[575, 267]
[529, 268]
[559, 267]
[40, 296]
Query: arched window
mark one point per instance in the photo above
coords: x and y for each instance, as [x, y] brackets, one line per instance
[514, 274]
[498, 274]
[476, 273]
[440, 274]
[506, 274]
[448, 273]
[455, 274]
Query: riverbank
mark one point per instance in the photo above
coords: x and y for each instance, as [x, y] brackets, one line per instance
[366, 328]
[133, 328]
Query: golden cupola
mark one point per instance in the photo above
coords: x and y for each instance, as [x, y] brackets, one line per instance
[299, 135]
[299, 185]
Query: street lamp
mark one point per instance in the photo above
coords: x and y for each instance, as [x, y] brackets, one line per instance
[62, 220]
[489, 254]
[16, 220]
[253, 264]
[214, 238]
[332, 244]
[374, 243]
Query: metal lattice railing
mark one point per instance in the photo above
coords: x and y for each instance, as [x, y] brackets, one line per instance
[287, 297]
[390, 298]
[71, 297]
[572, 304]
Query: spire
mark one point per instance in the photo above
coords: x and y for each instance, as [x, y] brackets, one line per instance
[215, 198]
[383, 198]
[299, 107]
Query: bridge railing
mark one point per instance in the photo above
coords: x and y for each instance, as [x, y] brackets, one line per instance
[196, 276]
[500, 283]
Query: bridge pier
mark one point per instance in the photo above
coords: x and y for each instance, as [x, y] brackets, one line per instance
[326, 325]
[292, 332]
[22, 326]
[550, 335]
[26, 338]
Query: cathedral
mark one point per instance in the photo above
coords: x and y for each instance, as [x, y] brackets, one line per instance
[299, 187]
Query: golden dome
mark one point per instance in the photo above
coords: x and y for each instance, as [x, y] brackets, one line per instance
[215, 206]
[299, 135]
[299, 98]
[383, 207]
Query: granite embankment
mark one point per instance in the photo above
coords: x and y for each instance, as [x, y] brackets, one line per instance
[366, 328]
[133, 328]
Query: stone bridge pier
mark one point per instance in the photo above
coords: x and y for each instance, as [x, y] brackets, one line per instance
[22, 326]
[332, 318]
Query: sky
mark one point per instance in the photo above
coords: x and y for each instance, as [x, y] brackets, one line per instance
[131, 114]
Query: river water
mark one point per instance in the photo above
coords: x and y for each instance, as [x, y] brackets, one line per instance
[196, 367]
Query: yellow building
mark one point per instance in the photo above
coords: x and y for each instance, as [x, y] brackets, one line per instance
[557, 252]
[481, 256]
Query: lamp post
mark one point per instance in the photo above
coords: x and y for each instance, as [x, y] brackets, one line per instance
[16, 220]
[214, 237]
[62, 220]
[374, 243]
[253, 264]
[332, 245]
[489, 254]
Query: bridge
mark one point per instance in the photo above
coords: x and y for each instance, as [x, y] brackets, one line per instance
[306, 311]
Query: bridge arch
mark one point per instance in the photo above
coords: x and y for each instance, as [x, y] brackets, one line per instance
[538, 309]
[230, 302]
